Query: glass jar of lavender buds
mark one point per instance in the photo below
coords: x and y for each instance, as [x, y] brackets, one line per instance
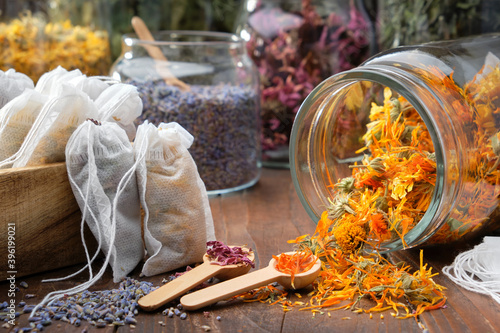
[206, 82]
[296, 44]
[404, 150]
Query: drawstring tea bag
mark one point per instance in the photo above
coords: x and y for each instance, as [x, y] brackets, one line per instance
[120, 103]
[16, 119]
[49, 82]
[478, 270]
[92, 86]
[98, 157]
[177, 216]
[12, 84]
[45, 143]
[102, 175]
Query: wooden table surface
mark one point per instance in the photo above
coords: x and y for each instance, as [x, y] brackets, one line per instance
[264, 217]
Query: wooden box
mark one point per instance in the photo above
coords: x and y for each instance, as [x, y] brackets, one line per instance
[38, 207]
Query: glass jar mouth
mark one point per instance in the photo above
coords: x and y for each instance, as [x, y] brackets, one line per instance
[186, 38]
[399, 81]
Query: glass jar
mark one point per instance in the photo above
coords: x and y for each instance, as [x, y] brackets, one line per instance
[406, 22]
[206, 82]
[296, 44]
[38, 36]
[406, 146]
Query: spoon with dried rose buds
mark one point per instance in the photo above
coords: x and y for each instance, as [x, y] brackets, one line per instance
[221, 261]
[293, 270]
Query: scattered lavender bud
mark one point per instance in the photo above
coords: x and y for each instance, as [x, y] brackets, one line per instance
[28, 308]
[183, 315]
[23, 284]
[218, 318]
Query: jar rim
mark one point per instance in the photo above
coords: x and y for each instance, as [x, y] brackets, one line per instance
[213, 38]
[393, 80]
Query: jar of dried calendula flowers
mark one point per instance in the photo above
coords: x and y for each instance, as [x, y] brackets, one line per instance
[405, 149]
[38, 36]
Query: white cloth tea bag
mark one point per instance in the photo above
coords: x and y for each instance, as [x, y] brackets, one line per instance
[478, 269]
[12, 84]
[99, 157]
[92, 86]
[120, 103]
[102, 174]
[46, 141]
[177, 220]
[16, 119]
[48, 83]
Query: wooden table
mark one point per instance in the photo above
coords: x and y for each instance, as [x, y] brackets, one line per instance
[264, 217]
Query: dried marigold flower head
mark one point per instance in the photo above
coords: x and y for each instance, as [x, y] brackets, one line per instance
[349, 237]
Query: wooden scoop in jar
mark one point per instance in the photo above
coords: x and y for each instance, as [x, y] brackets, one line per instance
[255, 279]
[191, 279]
[144, 34]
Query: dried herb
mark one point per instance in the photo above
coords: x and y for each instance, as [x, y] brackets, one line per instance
[114, 307]
[33, 46]
[294, 263]
[405, 22]
[223, 120]
[221, 254]
[301, 47]
[347, 278]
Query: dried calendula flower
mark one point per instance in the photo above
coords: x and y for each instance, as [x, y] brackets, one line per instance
[33, 46]
[339, 206]
[349, 237]
[345, 185]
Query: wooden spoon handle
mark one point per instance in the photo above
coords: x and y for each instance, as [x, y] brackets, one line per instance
[143, 33]
[156, 53]
[226, 289]
[179, 286]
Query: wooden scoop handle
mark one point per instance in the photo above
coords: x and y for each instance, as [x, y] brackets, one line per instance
[226, 289]
[143, 33]
[155, 52]
[179, 286]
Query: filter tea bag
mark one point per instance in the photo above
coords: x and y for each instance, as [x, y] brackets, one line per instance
[49, 82]
[178, 220]
[12, 84]
[120, 103]
[45, 143]
[92, 86]
[101, 170]
[16, 119]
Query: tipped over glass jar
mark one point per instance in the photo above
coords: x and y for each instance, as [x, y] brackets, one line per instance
[206, 82]
[404, 150]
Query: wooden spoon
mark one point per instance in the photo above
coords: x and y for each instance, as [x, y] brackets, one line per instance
[191, 279]
[155, 52]
[238, 285]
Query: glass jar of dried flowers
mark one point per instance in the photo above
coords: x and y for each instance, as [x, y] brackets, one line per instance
[296, 44]
[410, 22]
[38, 36]
[405, 149]
[206, 82]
